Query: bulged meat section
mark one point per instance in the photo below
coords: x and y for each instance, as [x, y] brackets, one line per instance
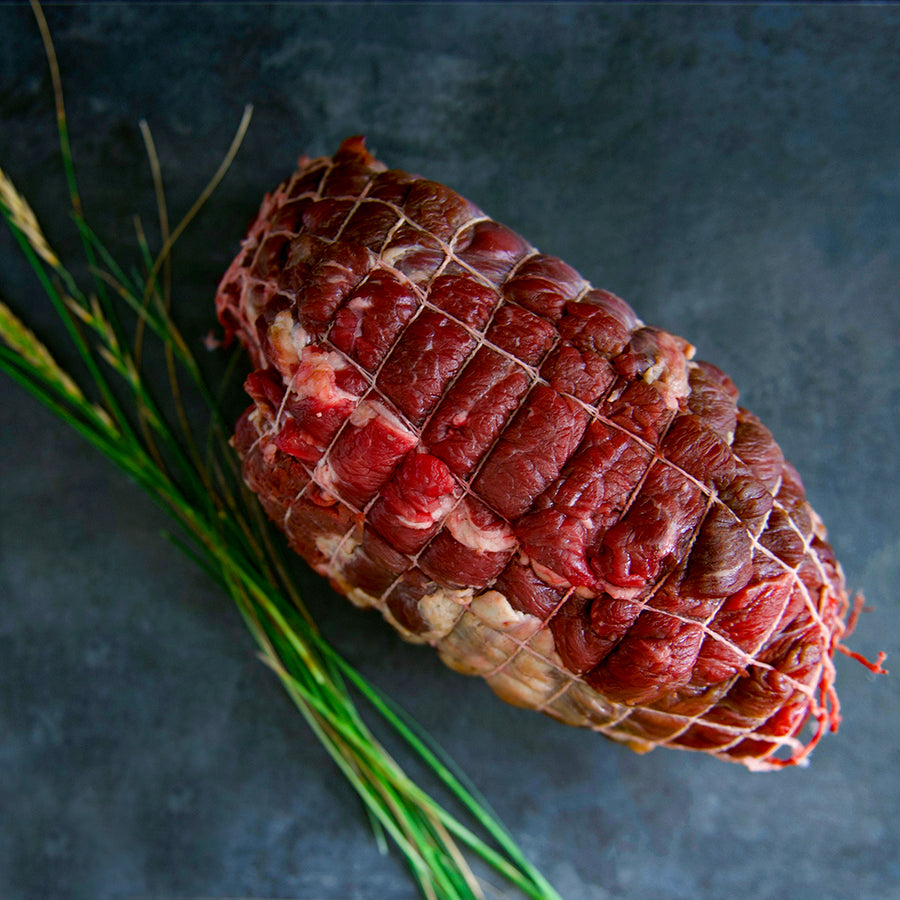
[461, 432]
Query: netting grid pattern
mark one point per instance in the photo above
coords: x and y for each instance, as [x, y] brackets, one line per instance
[734, 674]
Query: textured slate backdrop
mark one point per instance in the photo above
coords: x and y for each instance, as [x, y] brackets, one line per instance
[732, 171]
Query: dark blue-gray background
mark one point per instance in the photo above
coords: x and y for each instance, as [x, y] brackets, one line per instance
[732, 171]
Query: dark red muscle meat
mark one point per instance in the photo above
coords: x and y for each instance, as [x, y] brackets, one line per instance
[461, 432]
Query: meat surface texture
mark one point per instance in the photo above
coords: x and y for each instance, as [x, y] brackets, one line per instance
[464, 434]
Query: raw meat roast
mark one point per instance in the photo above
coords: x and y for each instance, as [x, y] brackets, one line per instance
[461, 432]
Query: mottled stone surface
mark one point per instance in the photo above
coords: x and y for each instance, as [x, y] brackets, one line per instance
[731, 171]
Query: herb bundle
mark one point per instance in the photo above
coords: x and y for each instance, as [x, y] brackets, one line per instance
[195, 478]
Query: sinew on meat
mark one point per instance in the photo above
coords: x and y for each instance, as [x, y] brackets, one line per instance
[464, 434]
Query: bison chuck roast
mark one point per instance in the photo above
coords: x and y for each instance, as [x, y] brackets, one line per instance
[461, 432]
